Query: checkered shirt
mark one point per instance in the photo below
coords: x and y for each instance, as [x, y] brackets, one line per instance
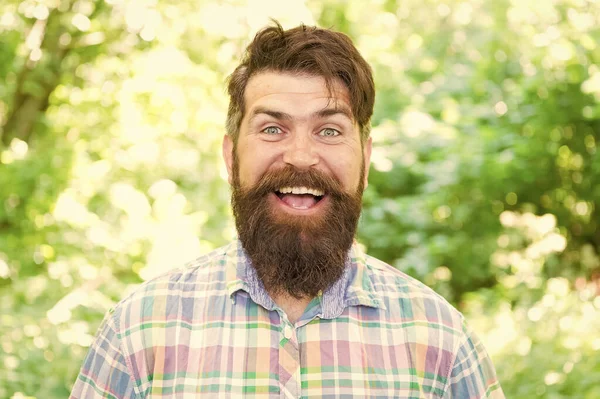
[210, 329]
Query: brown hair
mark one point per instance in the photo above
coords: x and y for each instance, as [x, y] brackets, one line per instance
[304, 50]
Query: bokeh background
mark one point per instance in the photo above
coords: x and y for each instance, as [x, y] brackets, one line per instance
[483, 184]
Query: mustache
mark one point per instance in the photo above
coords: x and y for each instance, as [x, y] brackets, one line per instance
[289, 176]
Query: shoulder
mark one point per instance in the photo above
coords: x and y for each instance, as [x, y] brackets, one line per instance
[192, 282]
[409, 298]
[430, 321]
[200, 274]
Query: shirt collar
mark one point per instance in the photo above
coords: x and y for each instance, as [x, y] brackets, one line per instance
[354, 288]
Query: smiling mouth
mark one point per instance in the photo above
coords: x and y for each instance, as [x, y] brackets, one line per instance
[300, 197]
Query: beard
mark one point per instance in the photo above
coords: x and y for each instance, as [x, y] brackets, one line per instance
[298, 255]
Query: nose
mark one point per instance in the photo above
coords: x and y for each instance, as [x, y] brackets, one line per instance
[301, 151]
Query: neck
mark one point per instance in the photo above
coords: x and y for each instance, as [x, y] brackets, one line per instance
[293, 307]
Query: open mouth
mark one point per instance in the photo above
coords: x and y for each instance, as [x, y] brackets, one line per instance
[300, 197]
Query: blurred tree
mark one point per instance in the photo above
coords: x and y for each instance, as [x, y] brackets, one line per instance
[485, 122]
[46, 46]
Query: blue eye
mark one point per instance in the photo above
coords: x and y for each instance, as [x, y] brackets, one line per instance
[329, 132]
[272, 130]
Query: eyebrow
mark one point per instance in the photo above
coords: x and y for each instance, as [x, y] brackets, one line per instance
[267, 111]
[325, 112]
[335, 111]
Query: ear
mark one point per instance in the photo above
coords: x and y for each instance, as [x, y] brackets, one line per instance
[367, 157]
[228, 149]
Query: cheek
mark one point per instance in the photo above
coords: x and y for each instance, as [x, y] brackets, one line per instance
[347, 171]
[252, 167]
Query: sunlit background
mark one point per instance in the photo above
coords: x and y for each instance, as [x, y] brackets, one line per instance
[483, 181]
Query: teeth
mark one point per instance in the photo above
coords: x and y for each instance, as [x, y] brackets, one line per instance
[301, 190]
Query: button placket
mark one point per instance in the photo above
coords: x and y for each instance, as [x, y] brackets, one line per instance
[288, 331]
[289, 363]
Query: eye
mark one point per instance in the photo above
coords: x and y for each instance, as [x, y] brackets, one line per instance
[272, 130]
[329, 132]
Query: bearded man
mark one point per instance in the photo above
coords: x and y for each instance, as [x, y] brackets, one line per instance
[293, 308]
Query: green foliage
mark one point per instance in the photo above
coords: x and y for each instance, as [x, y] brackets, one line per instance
[491, 123]
[482, 182]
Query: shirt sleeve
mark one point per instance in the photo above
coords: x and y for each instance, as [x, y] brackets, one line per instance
[473, 375]
[104, 373]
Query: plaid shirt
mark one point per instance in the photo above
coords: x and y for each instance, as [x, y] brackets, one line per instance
[210, 329]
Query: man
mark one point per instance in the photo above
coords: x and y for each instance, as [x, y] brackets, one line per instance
[293, 309]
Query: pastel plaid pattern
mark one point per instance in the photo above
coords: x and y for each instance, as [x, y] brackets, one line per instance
[209, 329]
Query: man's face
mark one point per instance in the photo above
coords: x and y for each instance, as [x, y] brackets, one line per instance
[292, 120]
[297, 173]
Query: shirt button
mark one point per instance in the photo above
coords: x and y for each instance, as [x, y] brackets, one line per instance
[287, 332]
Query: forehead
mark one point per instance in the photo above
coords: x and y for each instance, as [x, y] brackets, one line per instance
[298, 91]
